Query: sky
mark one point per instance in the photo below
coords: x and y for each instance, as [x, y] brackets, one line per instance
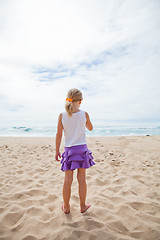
[109, 49]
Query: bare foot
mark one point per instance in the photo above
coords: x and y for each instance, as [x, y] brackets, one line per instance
[65, 210]
[84, 209]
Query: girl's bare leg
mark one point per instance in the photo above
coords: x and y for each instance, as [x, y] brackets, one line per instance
[67, 190]
[81, 176]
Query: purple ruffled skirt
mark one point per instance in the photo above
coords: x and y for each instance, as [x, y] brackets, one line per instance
[78, 156]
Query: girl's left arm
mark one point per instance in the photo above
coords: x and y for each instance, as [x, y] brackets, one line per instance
[59, 137]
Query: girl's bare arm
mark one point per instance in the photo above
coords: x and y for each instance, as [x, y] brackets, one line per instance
[89, 125]
[59, 136]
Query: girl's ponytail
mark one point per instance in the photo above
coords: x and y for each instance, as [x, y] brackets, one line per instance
[69, 108]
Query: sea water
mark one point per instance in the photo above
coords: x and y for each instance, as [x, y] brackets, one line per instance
[99, 130]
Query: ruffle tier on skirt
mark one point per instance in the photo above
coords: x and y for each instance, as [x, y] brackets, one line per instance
[78, 156]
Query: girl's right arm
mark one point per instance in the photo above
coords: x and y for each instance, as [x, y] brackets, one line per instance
[59, 137]
[89, 125]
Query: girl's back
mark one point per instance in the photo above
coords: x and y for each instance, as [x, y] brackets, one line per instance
[74, 128]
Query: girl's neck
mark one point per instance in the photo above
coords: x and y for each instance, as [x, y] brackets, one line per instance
[76, 106]
[76, 109]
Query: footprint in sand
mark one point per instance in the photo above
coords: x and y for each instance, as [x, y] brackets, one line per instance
[52, 197]
[120, 181]
[117, 226]
[100, 182]
[35, 193]
[140, 206]
[34, 211]
[12, 218]
[30, 237]
[92, 224]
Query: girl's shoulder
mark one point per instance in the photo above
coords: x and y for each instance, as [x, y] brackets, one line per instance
[63, 113]
[87, 115]
[84, 113]
[60, 116]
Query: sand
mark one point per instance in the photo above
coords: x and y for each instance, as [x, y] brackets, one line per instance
[123, 189]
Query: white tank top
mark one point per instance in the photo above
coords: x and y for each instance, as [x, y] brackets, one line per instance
[74, 128]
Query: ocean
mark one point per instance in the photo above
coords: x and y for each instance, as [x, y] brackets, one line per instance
[105, 130]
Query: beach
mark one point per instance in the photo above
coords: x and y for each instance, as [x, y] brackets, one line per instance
[123, 188]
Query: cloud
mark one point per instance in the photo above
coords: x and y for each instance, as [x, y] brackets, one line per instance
[108, 49]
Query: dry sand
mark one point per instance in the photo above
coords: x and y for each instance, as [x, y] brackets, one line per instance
[123, 189]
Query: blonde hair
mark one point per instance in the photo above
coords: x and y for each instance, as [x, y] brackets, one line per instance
[76, 95]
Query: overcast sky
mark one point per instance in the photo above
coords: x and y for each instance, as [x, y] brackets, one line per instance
[109, 49]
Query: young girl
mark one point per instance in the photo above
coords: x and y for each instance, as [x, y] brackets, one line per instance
[76, 154]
